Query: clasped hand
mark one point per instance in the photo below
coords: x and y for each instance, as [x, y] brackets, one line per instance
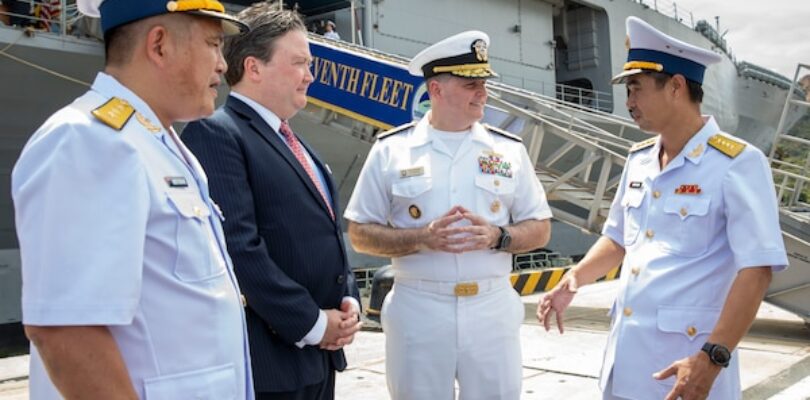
[444, 235]
[341, 325]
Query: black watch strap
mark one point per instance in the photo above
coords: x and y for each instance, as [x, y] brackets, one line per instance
[504, 240]
[718, 354]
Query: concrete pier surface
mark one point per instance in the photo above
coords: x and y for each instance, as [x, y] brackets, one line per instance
[774, 356]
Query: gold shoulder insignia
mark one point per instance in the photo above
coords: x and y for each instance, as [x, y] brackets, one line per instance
[504, 133]
[115, 113]
[394, 131]
[727, 145]
[643, 144]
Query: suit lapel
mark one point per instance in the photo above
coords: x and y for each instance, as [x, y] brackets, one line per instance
[276, 143]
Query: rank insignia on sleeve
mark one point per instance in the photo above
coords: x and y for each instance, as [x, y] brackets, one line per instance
[635, 185]
[493, 164]
[176, 181]
[688, 189]
[414, 211]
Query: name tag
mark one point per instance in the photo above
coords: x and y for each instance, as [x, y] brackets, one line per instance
[176, 181]
[407, 173]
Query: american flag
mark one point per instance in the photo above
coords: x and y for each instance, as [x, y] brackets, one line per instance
[49, 11]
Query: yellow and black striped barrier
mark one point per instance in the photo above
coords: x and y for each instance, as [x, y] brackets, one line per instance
[543, 280]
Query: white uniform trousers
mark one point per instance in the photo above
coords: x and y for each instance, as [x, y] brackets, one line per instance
[433, 338]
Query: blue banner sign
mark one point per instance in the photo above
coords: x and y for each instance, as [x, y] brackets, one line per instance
[376, 92]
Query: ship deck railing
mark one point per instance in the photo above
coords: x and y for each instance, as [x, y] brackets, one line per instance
[51, 16]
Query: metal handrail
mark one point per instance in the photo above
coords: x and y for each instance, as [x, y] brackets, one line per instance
[789, 177]
[68, 15]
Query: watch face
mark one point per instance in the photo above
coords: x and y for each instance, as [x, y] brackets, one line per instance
[720, 355]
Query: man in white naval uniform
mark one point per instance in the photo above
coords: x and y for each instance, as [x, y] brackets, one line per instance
[128, 291]
[450, 200]
[695, 224]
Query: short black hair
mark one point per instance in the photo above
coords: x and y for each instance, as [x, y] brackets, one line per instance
[695, 89]
[267, 24]
[119, 43]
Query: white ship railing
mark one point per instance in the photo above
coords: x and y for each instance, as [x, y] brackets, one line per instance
[51, 16]
[670, 9]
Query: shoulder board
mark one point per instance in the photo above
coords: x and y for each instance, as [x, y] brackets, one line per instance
[115, 113]
[501, 132]
[394, 131]
[643, 144]
[727, 145]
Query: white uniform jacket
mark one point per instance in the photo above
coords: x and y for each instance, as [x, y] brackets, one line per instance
[116, 228]
[687, 231]
[410, 179]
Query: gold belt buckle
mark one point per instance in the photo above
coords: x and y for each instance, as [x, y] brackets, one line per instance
[466, 289]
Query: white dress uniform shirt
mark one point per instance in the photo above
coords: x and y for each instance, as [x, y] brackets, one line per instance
[411, 178]
[116, 228]
[687, 231]
[433, 337]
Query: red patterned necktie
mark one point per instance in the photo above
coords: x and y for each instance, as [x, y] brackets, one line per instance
[298, 152]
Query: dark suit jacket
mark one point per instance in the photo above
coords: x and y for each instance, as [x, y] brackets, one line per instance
[288, 253]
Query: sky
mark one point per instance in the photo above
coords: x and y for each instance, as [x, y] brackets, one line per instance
[774, 34]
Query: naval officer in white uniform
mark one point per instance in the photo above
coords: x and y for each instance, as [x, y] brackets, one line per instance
[450, 200]
[128, 291]
[694, 224]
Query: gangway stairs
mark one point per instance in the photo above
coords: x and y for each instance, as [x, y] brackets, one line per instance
[791, 289]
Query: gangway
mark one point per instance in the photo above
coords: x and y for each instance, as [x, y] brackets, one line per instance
[791, 289]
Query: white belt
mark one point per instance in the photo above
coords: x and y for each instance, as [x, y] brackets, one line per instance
[459, 289]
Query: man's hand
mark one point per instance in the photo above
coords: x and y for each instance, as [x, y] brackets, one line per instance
[341, 325]
[556, 301]
[441, 236]
[479, 235]
[694, 375]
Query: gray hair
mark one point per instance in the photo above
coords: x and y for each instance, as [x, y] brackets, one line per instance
[267, 24]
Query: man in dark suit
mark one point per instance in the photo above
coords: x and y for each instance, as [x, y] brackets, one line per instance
[279, 207]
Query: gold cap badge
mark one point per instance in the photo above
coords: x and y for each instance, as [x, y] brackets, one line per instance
[479, 47]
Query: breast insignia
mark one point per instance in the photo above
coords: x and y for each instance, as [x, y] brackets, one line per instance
[115, 113]
[394, 131]
[726, 145]
[501, 132]
[643, 144]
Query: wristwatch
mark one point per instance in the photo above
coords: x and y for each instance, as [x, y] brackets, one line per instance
[504, 240]
[718, 354]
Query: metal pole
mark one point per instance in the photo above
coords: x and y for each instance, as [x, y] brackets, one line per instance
[63, 17]
[354, 23]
